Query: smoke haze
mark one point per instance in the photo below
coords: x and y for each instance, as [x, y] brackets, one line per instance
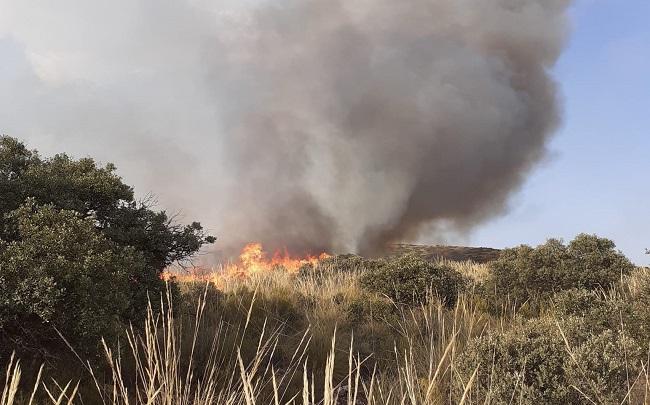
[311, 124]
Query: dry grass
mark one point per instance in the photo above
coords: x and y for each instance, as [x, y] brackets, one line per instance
[477, 272]
[279, 338]
[638, 280]
[165, 375]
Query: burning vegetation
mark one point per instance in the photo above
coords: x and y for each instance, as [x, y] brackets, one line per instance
[252, 260]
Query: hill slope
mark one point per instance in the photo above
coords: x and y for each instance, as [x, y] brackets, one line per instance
[455, 253]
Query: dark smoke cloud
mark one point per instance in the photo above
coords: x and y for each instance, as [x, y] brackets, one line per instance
[375, 118]
[317, 124]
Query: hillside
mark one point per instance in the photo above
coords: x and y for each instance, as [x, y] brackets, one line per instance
[454, 253]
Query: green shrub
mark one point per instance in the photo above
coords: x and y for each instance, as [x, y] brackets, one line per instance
[637, 294]
[526, 275]
[97, 193]
[597, 311]
[605, 368]
[370, 307]
[62, 273]
[532, 363]
[90, 245]
[525, 363]
[410, 280]
[578, 302]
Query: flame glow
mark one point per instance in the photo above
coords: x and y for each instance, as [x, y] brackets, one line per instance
[252, 260]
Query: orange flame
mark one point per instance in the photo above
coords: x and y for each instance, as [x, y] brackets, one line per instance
[252, 260]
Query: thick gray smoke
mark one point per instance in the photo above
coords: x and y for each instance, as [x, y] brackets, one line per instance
[362, 121]
[312, 124]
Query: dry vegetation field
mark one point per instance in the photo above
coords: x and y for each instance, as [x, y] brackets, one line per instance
[324, 336]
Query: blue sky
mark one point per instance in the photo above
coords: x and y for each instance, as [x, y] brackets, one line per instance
[597, 177]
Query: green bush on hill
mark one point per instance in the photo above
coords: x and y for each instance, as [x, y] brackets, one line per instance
[606, 369]
[410, 280]
[532, 363]
[94, 192]
[527, 275]
[627, 307]
[525, 362]
[344, 263]
[596, 310]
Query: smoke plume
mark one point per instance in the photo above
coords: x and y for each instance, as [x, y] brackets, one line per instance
[308, 124]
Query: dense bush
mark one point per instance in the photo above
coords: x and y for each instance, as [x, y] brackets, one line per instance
[94, 192]
[370, 307]
[77, 252]
[410, 280]
[531, 275]
[596, 310]
[525, 362]
[532, 363]
[606, 368]
[62, 273]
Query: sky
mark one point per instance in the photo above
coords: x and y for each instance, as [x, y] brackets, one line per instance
[595, 178]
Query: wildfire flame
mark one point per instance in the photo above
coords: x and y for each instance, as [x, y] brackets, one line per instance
[252, 260]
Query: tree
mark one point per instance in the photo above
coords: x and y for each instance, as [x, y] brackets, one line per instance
[94, 192]
[77, 251]
[62, 272]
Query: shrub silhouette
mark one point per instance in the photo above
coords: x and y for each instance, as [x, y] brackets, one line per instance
[410, 280]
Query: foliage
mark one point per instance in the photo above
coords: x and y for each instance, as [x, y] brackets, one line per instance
[525, 362]
[77, 250]
[530, 276]
[94, 192]
[410, 280]
[605, 368]
[63, 273]
[533, 363]
[596, 310]
[15, 160]
[370, 307]
[636, 294]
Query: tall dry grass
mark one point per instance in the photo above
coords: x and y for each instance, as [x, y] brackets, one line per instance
[280, 338]
[206, 357]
